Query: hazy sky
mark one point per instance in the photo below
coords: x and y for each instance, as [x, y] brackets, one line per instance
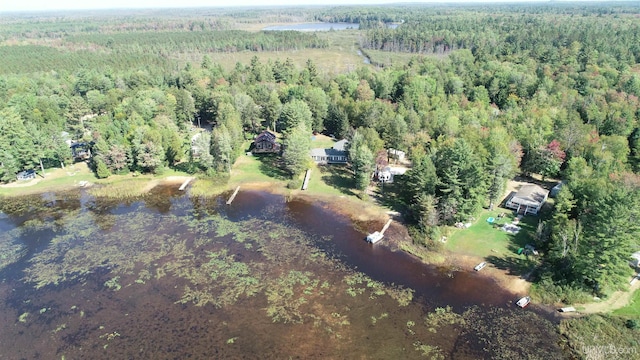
[35, 5]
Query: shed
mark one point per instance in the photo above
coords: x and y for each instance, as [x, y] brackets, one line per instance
[528, 200]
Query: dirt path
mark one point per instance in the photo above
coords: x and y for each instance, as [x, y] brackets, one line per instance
[617, 300]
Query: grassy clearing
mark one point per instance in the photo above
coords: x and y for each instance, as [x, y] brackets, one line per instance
[340, 56]
[485, 239]
[322, 141]
[247, 169]
[488, 241]
[632, 310]
[336, 180]
[54, 180]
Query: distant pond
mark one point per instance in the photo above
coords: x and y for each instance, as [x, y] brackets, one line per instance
[319, 26]
[172, 276]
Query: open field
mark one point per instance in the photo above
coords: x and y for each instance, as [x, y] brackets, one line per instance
[340, 56]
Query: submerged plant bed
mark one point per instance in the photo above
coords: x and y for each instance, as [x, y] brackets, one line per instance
[105, 278]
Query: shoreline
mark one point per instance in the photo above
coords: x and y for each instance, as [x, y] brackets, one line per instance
[367, 216]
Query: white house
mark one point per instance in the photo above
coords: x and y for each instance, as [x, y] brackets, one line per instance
[386, 175]
[635, 260]
[396, 154]
[528, 200]
[335, 155]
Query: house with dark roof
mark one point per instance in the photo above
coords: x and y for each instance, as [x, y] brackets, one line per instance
[265, 143]
[528, 200]
[81, 151]
[26, 175]
[335, 155]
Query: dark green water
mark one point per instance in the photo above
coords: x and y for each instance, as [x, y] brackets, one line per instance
[168, 276]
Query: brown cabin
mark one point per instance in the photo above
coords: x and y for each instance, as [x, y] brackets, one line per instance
[265, 143]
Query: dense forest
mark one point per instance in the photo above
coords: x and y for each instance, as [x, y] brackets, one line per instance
[491, 93]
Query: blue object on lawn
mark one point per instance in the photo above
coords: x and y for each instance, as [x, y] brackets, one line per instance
[490, 220]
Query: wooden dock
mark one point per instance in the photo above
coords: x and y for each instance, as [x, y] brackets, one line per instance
[386, 226]
[184, 184]
[307, 177]
[233, 196]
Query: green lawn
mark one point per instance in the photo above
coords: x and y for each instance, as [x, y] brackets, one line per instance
[55, 179]
[322, 141]
[498, 247]
[633, 309]
[331, 180]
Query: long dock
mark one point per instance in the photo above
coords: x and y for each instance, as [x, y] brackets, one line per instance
[233, 196]
[307, 177]
[184, 184]
[386, 226]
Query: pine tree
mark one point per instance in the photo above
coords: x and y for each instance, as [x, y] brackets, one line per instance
[297, 145]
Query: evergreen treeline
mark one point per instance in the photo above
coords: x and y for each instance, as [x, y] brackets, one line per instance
[201, 41]
[515, 94]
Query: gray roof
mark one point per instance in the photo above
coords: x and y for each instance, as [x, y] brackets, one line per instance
[341, 145]
[531, 195]
[327, 152]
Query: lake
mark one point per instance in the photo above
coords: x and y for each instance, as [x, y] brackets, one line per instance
[169, 276]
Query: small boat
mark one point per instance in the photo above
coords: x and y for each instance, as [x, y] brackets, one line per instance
[567, 309]
[374, 237]
[480, 266]
[523, 302]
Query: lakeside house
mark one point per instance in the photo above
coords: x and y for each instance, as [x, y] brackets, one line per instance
[635, 260]
[386, 175]
[81, 151]
[195, 149]
[26, 175]
[528, 200]
[265, 142]
[396, 154]
[336, 155]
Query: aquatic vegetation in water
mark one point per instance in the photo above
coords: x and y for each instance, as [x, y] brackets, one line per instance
[83, 249]
[501, 336]
[113, 283]
[402, 295]
[433, 352]
[223, 281]
[23, 318]
[224, 263]
[442, 317]
[10, 250]
[286, 298]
